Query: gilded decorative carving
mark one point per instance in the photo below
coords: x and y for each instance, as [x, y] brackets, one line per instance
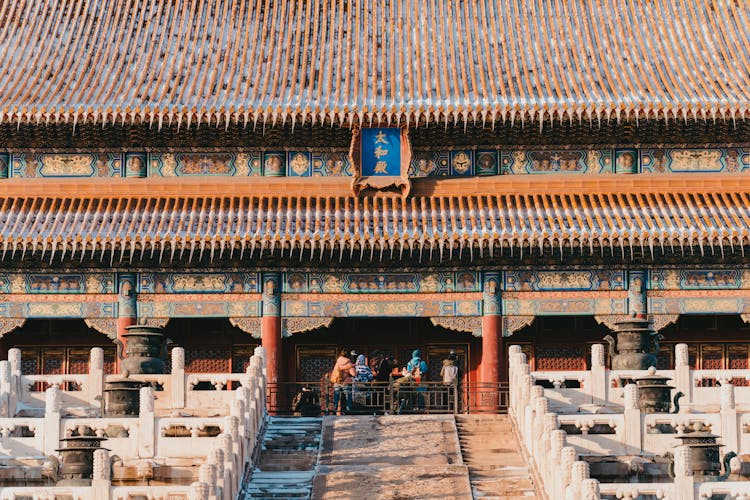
[661, 321]
[511, 324]
[291, 326]
[745, 317]
[247, 325]
[107, 326]
[7, 325]
[471, 324]
[610, 320]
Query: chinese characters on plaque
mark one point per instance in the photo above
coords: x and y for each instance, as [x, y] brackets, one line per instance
[381, 156]
[381, 151]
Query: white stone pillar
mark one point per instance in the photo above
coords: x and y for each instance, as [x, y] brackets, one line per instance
[683, 473]
[199, 491]
[101, 481]
[147, 424]
[207, 474]
[598, 389]
[5, 390]
[682, 380]
[230, 464]
[179, 382]
[632, 418]
[96, 377]
[729, 425]
[579, 472]
[14, 356]
[216, 458]
[52, 405]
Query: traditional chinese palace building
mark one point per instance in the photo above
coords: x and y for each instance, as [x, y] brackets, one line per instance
[373, 175]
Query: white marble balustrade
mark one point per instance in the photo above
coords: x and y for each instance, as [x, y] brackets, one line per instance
[603, 418]
[223, 444]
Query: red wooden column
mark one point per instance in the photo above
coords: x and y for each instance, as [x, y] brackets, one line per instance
[127, 300]
[270, 328]
[492, 331]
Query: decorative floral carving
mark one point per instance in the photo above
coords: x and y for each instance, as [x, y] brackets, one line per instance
[247, 325]
[471, 324]
[7, 325]
[511, 324]
[107, 326]
[290, 326]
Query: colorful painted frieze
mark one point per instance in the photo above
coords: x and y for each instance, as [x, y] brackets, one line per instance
[699, 279]
[197, 282]
[455, 163]
[596, 161]
[358, 283]
[514, 305]
[4, 165]
[57, 165]
[693, 160]
[71, 306]
[382, 306]
[707, 302]
[564, 280]
[57, 283]
[199, 305]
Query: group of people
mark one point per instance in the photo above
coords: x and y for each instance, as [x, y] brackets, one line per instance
[351, 369]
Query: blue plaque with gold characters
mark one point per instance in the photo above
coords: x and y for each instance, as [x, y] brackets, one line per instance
[381, 151]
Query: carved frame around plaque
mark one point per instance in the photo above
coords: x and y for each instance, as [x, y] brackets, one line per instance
[391, 176]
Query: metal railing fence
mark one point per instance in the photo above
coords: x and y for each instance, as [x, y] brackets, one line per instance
[317, 398]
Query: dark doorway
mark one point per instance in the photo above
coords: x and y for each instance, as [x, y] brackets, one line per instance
[310, 355]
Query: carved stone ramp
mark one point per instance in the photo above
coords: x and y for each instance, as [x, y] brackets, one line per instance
[396, 457]
[286, 465]
[490, 450]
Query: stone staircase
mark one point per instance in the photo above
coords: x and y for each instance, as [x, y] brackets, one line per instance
[490, 451]
[288, 456]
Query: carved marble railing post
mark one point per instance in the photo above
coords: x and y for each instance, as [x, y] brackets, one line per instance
[541, 407]
[199, 491]
[568, 456]
[550, 425]
[682, 371]
[5, 390]
[216, 458]
[729, 425]
[683, 473]
[237, 410]
[224, 442]
[207, 474]
[558, 441]
[96, 376]
[147, 424]
[528, 416]
[632, 419]
[598, 389]
[179, 381]
[579, 472]
[52, 406]
[101, 480]
[14, 356]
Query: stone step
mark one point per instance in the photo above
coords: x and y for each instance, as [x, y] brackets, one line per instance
[289, 452]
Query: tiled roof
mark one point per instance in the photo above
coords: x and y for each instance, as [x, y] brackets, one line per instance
[357, 61]
[615, 214]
